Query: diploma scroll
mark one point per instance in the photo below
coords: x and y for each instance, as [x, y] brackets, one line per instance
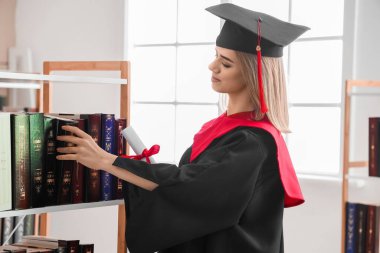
[135, 142]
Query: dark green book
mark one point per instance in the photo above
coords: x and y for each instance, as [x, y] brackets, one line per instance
[51, 176]
[20, 161]
[36, 121]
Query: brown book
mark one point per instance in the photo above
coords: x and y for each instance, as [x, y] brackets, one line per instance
[374, 155]
[20, 160]
[92, 177]
[77, 192]
[121, 149]
[371, 227]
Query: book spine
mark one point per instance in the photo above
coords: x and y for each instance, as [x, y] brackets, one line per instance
[77, 182]
[7, 229]
[108, 133]
[21, 161]
[86, 248]
[51, 174]
[70, 246]
[373, 141]
[65, 167]
[351, 210]
[377, 230]
[371, 227]
[36, 158]
[92, 177]
[5, 162]
[361, 228]
[121, 149]
[17, 236]
[29, 224]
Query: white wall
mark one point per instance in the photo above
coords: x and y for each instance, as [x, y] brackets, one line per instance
[96, 33]
[77, 30]
[316, 226]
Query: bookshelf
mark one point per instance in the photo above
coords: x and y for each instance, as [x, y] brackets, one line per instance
[43, 84]
[352, 90]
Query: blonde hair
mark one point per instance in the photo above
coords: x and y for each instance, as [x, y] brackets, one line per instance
[274, 88]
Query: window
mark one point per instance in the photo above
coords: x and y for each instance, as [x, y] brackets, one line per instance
[314, 71]
[172, 44]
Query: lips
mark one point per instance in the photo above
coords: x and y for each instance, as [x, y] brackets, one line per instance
[214, 79]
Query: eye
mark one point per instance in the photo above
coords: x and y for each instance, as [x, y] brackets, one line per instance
[226, 65]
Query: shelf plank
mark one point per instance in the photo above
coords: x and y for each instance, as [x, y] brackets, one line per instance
[59, 208]
[61, 78]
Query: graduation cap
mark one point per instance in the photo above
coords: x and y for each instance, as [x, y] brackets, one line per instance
[256, 33]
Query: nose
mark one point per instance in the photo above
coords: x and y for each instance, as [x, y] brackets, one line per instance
[213, 66]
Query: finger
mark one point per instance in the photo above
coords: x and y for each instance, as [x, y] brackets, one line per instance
[67, 157]
[68, 150]
[69, 138]
[75, 131]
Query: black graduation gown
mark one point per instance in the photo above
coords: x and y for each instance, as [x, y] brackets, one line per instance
[229, 199]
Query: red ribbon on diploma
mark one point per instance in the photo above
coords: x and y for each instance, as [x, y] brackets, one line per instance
[145, 154]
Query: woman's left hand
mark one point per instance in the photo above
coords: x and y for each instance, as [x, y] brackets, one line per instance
[86, 151]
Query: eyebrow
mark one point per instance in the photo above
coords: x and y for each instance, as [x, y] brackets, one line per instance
[226, 58]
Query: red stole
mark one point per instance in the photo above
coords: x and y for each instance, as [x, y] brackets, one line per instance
[223, 124]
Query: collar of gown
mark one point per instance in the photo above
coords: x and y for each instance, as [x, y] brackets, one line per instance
[223, 124]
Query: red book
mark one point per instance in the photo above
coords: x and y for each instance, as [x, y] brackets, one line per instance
[373, 159]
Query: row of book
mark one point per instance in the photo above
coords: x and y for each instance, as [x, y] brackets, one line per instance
[25, 227]
[362, 228]
[30, 174]
[44, 244]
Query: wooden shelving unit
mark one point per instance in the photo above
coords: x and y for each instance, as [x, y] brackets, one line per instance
[44, 86]
[347, 164]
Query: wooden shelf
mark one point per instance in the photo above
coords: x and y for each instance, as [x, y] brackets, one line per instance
[49, 209]
[60, 78]
[360, 184]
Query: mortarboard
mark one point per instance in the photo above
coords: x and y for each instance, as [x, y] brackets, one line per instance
[256, 33]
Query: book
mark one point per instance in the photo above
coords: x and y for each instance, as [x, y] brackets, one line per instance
[20, 160]
[36, 121]
[29, 224]
[361, 228]
[14, 249]
[5, 162]
[351, 227]
[50, 153]
[377, 230]
[64, 167]
[77, 176]
[8, 225]
[370, 232]
[374, 151]
[39, 241]
[70, 246]
[92, 177]
[121, 149]
[86, 248]
[17, 236]
[108, 133]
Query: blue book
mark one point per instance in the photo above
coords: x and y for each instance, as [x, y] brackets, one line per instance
[108, 144]
[351, 227]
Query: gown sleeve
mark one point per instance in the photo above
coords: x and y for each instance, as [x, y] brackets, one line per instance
[194, 199]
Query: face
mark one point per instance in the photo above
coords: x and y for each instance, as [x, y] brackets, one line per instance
[226, 72]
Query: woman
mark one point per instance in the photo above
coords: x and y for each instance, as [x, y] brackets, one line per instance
[231, 186]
